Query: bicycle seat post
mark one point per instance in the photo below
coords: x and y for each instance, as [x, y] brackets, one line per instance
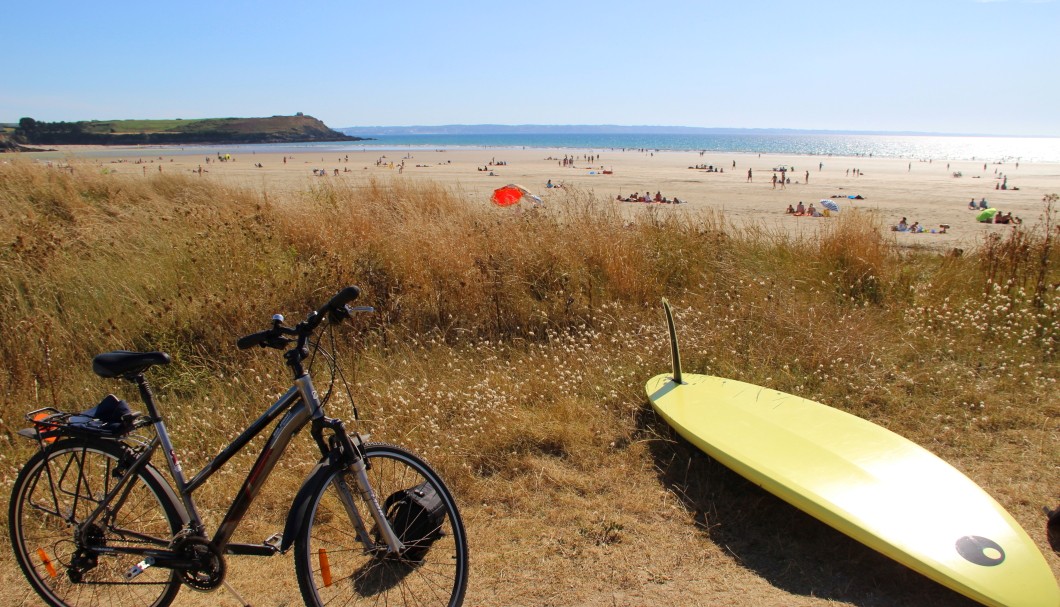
[146, 395]
[167, 445]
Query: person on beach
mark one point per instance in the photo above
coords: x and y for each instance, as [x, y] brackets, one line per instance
[774, 181]
[791, 210]
[748, 175]
[982, 204]
[971, 204]
[902, 226]
[801, 209]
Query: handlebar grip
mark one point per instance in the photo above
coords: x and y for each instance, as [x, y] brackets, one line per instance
[254, 339]
[341, 298]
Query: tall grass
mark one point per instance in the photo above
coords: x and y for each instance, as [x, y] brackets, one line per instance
[511, 346]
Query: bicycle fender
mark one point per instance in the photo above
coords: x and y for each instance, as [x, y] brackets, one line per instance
[182, 511]
[300, 505]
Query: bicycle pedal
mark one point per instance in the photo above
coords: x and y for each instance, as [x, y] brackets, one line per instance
[138, 568]
[273, 541]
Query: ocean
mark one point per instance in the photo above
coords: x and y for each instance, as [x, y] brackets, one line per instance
[914, 147]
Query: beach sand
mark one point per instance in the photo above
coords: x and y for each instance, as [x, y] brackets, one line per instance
[927, 192]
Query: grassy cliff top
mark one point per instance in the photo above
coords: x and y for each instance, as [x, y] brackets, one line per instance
[274, 129]
[272, 124]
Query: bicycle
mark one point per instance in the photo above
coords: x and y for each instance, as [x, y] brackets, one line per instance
[93, 522]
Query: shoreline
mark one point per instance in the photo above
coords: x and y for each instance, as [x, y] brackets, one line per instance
[916, 147]
[933, 193]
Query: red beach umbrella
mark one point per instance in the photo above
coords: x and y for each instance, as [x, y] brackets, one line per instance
[511, 194]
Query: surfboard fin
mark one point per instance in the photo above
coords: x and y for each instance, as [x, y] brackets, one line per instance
[675, 353]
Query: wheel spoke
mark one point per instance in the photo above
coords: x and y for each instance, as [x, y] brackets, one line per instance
[432, 569]
[53, 496]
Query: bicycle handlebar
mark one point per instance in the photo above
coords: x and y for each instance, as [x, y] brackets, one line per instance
[278, 336]
[339, 301]
[266, 338]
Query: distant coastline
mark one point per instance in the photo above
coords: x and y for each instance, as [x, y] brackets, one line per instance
[209, 131]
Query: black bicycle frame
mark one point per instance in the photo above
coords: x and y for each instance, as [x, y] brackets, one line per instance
[299, 405]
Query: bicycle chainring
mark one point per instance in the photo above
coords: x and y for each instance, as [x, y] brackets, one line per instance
[210, 566]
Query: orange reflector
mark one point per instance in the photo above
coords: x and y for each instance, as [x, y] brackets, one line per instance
[47, 562]
[44, 428]
[325, 568]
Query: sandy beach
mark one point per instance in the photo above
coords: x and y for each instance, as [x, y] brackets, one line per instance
[933, 193]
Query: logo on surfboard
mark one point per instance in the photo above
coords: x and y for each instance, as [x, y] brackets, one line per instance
[980, 550]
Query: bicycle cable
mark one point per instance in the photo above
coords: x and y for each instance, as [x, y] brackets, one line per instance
[345, 384]
[334, 369]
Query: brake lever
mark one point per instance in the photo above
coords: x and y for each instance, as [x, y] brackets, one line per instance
[278, 342]
[343, 313]
[337, 315]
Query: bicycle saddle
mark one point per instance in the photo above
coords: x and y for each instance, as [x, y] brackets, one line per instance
[122, 363]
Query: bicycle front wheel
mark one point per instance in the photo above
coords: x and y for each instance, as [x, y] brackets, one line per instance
[54, 494]
[338, 565]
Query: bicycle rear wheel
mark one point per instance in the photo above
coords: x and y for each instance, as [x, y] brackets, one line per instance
[335, 567]
[55, 492]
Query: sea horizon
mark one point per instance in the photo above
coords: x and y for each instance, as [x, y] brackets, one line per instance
[977, 148]
[914, 147]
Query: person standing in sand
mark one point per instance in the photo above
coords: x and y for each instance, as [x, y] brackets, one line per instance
[748, 175]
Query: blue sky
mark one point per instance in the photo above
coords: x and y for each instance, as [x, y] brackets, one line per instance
[951, 66]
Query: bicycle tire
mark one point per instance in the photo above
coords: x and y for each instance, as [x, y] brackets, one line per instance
[333, 566]
[69, 479]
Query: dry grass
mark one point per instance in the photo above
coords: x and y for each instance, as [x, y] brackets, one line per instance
[511, 349]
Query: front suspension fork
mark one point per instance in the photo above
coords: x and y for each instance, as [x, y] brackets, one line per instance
[349, 454]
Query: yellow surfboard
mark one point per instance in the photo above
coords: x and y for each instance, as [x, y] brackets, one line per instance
[861, 479]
